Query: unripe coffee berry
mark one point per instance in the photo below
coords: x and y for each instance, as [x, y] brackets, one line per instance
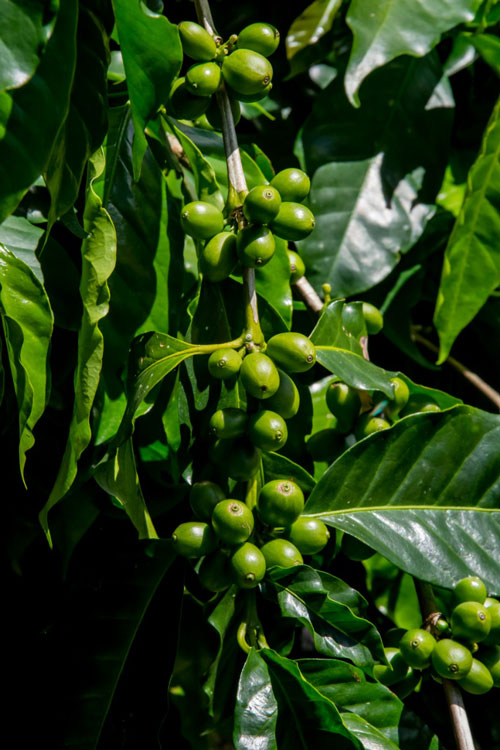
[232, 521]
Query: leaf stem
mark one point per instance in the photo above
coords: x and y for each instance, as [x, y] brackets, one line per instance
[456, 708]
[237, 185]
[471, 376]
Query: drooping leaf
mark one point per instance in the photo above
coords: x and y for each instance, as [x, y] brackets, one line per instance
[280, 467]
[21, 237]
[471, 267]
[207, 187]
[424, 493]
[27, 322]
[220, 620]
[306, 718]
[354, 370]
[152, 56]
[30, 117]
[98, 262]
[256, 708]
[307, 30]
[396, 27]
[329, 609]
[86, 123]
[26, 29]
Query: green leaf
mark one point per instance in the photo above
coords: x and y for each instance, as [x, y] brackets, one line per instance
[376, 705]
[396, 27]
[471, 267]
[423, 493]
[256, 708]
[21, 237]
[306, 719]
[30, 117]
[354, 370]
[273, 282]
[280, 467]
[220, 620]
[27, 322]
[152, 56]
[98, 262]
[306, 31]
[26, 29]
[330, 330]
[86, 124]
[488, 47]
[206, 184]
[350, 204]
[329, 609]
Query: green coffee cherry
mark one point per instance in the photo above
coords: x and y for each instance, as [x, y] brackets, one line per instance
[367, 425]
[214, 116]
[293, 352]
[490, 656]
[193, 539]
[224, 363]
[267, 430]
[325, 445]
[259, 37]
[416, 647]
[345, 404]
[281, 552]
[399, 401]
[218, 258]
[259, 375]
[373, 318]
[493, 607]
[280, 502]
[215, 573]
[470, 621]
[228, 423]
[294, 221]
[203, 498]
[355, 549]
[201, 220]
[203, 79]
[479, 679]
[183, 105]
[286, 400]
[292, 184]
[238, 459]
[470, 589]
[262, 204]
[309, 535]
[255, 245]
[419, 403]
[232, 521]
[196, 42]
[451, 659]
[297, 266]
[248, 566]
[247, 72]
[389, 675]
[250, 98]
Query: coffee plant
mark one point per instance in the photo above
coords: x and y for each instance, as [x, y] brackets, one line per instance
[251, 499]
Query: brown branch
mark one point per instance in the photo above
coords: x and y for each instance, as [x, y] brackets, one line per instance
[471, 376]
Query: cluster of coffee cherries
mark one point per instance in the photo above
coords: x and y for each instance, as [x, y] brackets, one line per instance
[237, 544]
[240, 64]
[467, 648]
[265, 376]
[268, 210]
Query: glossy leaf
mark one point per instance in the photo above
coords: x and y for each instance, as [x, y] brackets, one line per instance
[397, 27]
[27, 322]
[152, 56]
[471, 267]
[21, 237]
[256, 708]
[220, 620]
[423, 493]
[307, 30]
[353, 369]
[98, 262]
[86, 123]
[26, 29]
[26, 139]
[488, 47]
[329, 609]
[363, 231]
[273, 282]
[330, 330]
[376, 705]
[305, 717]
[207, 187]
[280, 467]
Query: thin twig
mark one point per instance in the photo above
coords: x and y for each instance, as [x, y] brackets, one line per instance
[471, 376]
[458, 714]
[309, 295]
